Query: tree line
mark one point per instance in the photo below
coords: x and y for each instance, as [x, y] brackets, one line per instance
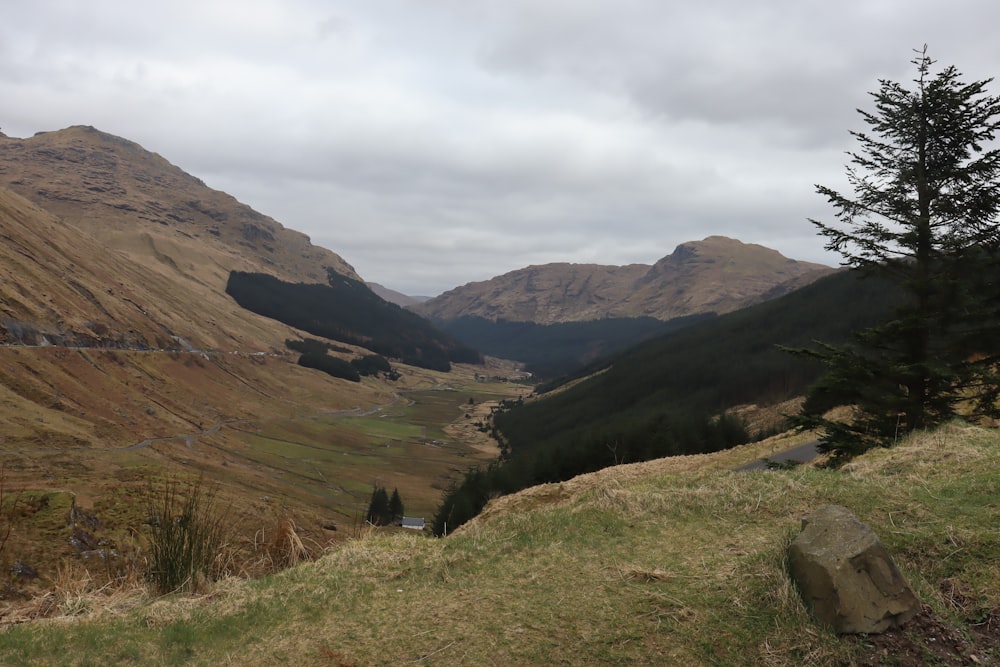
[314, 354]
[552, 350]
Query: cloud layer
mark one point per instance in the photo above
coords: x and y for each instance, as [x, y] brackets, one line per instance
[436, 143]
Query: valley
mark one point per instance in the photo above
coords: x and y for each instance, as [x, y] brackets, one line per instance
[124, 363]
[146, 321]
[158, 335]
[278, 440]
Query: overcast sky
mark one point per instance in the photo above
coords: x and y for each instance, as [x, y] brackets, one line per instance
[437, 142]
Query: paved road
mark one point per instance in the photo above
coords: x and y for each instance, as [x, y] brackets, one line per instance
[801, 454]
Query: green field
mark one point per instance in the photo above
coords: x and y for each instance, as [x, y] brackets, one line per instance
[336, 460]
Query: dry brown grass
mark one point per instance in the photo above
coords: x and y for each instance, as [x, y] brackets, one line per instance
[563, 492]
[282, 547]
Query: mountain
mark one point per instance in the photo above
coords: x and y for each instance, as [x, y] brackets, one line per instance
[717, 274]
[123, 359]
[113, 310]
[99, 352]
[134, 204]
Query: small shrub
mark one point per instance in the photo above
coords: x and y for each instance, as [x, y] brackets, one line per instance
[283, 546]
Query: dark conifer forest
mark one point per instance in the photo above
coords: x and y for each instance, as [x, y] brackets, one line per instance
[552, 350]
[347, 310]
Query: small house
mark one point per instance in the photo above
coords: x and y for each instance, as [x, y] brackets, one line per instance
[414, 523]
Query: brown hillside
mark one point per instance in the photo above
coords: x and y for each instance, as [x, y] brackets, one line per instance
[122, 359]
[108, 200]
[82, 329]
[60, 284]
[717, 274]
[135, 201]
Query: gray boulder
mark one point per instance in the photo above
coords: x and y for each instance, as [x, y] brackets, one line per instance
[846, 576]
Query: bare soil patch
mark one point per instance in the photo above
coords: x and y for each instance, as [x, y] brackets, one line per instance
[928, 640]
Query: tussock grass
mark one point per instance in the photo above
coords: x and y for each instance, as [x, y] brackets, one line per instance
[678, 561]
[187, 532]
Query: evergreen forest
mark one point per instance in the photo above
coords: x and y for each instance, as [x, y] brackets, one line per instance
[347, 310]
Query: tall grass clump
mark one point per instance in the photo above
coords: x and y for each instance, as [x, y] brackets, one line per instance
[187, 532]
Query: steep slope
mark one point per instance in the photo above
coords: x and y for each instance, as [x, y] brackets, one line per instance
[165, 220]
[707, 367]
[717, 275]
[665, 396]
[82, 334]
[61, 285]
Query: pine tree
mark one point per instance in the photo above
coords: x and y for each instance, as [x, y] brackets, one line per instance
[923, 215]
[396, 506]
[378, 507]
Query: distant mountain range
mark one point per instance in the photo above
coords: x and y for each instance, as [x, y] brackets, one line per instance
[557, 317]
[715, 275]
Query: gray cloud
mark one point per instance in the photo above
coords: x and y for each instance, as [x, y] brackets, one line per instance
[436, 143]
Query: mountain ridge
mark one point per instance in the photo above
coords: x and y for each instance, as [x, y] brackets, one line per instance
[716, 274]
[133, 199]
[159, 226]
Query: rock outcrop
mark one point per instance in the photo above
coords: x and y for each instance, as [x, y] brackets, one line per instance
[846, 576]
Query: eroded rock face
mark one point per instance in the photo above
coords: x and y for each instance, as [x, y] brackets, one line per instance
[846, 576]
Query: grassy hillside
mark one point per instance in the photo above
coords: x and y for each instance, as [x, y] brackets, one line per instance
[282, 441]
[677, 561]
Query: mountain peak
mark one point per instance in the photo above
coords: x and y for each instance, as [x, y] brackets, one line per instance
[137, 202]
[717, 274]
[157, 244]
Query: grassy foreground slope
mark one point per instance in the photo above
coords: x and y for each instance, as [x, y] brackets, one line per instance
[674, 561]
